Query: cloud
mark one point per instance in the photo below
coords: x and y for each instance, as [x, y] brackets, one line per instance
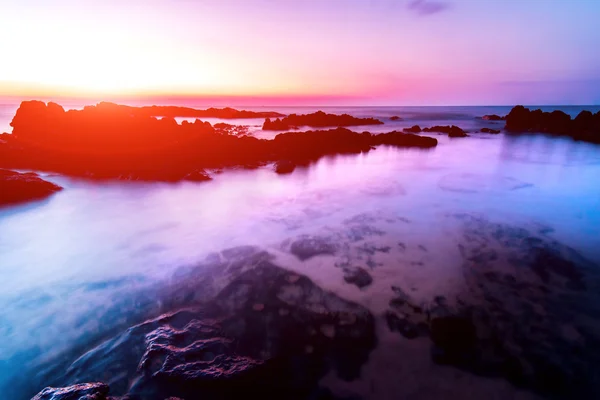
[427, 7]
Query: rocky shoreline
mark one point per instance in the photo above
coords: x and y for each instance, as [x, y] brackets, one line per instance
[18, 187]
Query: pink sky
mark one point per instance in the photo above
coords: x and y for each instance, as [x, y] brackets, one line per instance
[311, 51]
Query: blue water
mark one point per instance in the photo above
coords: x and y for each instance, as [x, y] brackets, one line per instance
[114, 237]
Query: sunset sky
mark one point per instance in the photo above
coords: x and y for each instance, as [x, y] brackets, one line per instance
[397, 52]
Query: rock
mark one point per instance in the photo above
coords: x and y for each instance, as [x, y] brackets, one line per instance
[357, 276]
[455, 338]
[493, 117]
[285, 167]
[307, 247]
[405, 327]
[198, 176]
[395, 118]
[452, 131]
[586, 126]
[109, 141]
[83, 391]
[400, 139]
[413, 129]
[226, 348]
[488, 130]
[17, 188]
[318, 119]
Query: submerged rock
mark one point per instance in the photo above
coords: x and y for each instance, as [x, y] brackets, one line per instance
[488, 130]
[395, 118]
[267, 334]
[357, 276]
[492, 117]
[18, 187]
[307, 247]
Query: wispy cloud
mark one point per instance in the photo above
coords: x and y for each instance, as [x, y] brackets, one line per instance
[428, 7]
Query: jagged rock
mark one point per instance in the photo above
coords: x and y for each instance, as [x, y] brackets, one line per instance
[83, 391]
[18, 187]
[269, 333]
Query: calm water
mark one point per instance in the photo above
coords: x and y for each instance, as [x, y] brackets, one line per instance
[115, 237]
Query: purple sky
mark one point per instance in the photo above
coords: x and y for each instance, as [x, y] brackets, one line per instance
[420, 52]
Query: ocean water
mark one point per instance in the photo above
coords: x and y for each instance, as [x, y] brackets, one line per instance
[65, 260]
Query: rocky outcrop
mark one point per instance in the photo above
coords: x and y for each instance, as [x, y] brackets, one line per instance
[318, 119]
[488, 130]
[452, 131]
[395, 118]
[586, 126]
[18, 187]
[492, 117]
[109, 142]
[413, 129]
[269, 333]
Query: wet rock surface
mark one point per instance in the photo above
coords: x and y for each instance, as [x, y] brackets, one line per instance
[18, 187]
[357, 276]
[489, 130]
[529, 313]
[84, 391]
[307, 247]
[268, 333]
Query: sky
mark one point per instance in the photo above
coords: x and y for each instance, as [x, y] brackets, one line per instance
[355, 52]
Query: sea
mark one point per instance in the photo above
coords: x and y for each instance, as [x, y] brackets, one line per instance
[65, 260]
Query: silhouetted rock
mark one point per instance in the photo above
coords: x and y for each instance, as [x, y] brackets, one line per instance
[269, 333]
[488, 130]
[413, 129]
[284, 167]
[113, 142]
[493, 117]
[452, 131]
[455, 338]
[586, 126]
[395, 118]
[357, 276]
[16, 187]
[174, 111]
[318, 119]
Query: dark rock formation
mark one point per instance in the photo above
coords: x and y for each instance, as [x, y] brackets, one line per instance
[228, 129]
[395, 118]
[493, 117]
[357, 276]
[452, 131]
[285, 167]
[197, 176]
[488, 130]
[269, 333]
[111, 142]
[18, 188]
[413, 129]
[318, 119]
[82, 391]
[586, 126]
